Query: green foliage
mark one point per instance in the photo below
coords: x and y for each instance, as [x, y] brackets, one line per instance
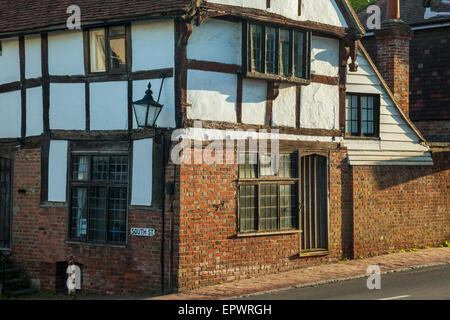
[446, 244]
[359, 4]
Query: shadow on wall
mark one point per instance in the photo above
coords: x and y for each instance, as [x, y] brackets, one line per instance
[391, 176]
[347, 234]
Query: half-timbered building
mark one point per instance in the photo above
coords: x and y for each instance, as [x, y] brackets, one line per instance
[79, 177]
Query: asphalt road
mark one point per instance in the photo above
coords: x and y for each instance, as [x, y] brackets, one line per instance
[431, 283]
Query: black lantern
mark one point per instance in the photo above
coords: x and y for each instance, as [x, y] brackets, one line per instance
[147, 110]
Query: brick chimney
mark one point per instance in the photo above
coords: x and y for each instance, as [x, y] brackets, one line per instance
[393, 42]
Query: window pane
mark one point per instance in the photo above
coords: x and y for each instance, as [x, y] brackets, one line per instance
[288, 165]
[97, 213]
[299, 56]
[266, 167]
[271, 50]
[97, 48]
[268, 204]
[118, 31]
[367, 116]
[256, 46]
[117, 214]
[99, 168]
[248, 165]
[248, 198]
[119, 169]
[117, 55]
[285, 45]
[351, 114]
[288, 207]
[78, 221]
[80, 170]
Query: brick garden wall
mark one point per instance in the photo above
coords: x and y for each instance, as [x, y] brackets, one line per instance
[401, 207]
[40, 233]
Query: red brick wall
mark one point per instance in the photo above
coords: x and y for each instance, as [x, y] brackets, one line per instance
[40, 233]
[210, 252]
[401, 207]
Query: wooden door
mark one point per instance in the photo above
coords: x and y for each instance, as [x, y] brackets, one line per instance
[314, 203]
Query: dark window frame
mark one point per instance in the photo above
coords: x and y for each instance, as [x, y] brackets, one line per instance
[277, 180]
[87, 50]
[376, 116]
[249, 70]
[89, 184]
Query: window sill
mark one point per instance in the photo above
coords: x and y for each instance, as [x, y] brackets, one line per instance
[348, 137]
[276, 77]
[49, 204]
[314, 253]
[71, 242]
[269, 233]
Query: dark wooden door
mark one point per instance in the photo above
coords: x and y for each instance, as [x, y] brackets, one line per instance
[314, 203]
[5, 203]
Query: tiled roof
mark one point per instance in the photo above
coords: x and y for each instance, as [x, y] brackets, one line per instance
[411, 11]
[24, 15]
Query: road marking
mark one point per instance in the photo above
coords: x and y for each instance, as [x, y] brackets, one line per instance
[393, 298]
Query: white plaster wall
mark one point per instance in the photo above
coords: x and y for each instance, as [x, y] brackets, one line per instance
[325, 56]
[67, 106]
[9, 61]
[10, 115]
[323, 11]
[166, 118]
[65, 53]
[35, 123]
[254, 95]
[142, 172]
[153, 45]
[212, 95]
[33, 59]
[319, 106]
[283, 107]
[216, 40]
[109, 105]
[57, 171]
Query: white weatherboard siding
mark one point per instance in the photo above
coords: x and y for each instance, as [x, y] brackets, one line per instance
[323, 11]
[216, 40]
[57, 171]
[153, 45]
[398, 144]
[166, 118]
[33, 59]
[283, 107]
[254, 95]
[65, 53]
[319, 106]
[67, 106]
[212, 95]
[109, 105]
[325, 56]
[10, 115]
[35, 124]
[142, 172]
[9, 61]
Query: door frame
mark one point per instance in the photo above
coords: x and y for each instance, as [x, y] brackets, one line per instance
[326, 155]
[10, 157]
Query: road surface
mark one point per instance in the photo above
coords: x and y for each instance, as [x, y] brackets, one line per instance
[420, 284]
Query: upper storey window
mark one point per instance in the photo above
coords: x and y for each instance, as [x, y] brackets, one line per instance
[361, 115]
[108, 50]
[277, 53]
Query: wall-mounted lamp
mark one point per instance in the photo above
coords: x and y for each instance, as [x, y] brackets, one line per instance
[147, 110]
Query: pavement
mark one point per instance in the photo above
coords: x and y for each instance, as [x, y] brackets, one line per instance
[317, 275]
